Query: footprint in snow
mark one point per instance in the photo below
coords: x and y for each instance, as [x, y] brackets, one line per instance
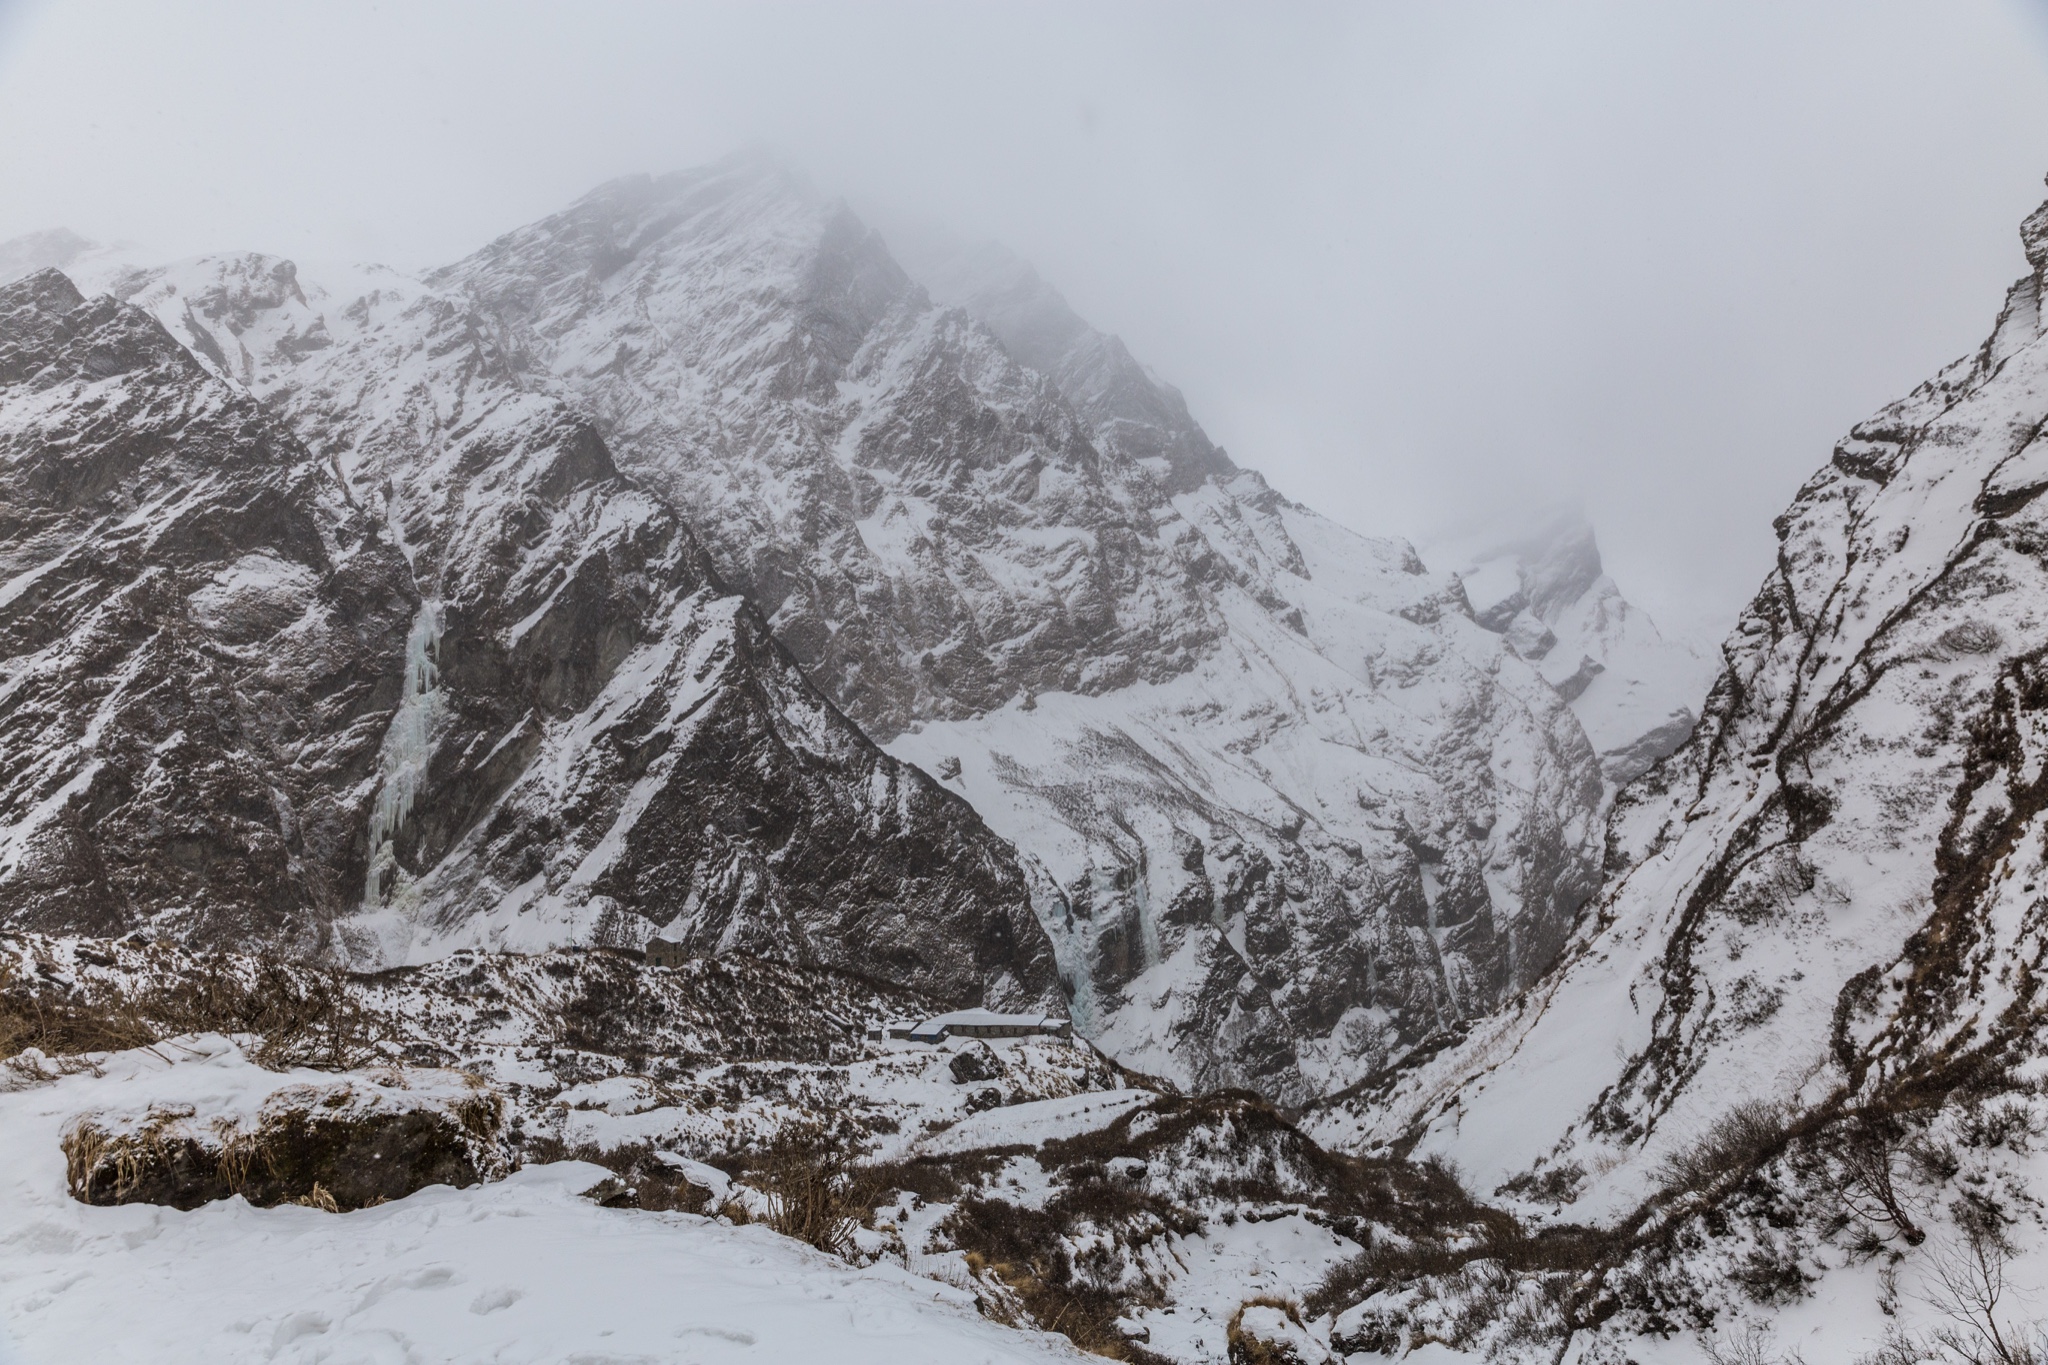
[492, 1300]
[299, 1325]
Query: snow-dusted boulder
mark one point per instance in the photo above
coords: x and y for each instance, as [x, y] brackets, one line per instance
[1273, 1334]
[336, 1143]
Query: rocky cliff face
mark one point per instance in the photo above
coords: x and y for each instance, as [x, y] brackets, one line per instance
[203, 637]
[451, 677]
[922, 520]
[1283, 807]
[1834, 893]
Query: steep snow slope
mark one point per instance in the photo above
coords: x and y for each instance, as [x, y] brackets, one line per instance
[539, 717]
[1836, 888]
[1637, 693]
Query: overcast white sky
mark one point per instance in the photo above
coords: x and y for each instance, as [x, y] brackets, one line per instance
[1417, 262]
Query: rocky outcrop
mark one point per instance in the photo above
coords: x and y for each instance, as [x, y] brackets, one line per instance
[1545, 590]
[330, 1144]
[454, 677]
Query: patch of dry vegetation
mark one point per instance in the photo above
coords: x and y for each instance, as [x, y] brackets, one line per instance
[299, 1013]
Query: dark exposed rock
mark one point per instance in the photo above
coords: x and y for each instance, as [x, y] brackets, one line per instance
[975, 1062]
[334, 1146]
[363, 716]
[202, 635]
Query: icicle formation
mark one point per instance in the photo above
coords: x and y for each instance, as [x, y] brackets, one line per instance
[407, 746]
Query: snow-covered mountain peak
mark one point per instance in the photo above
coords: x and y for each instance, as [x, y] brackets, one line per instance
[1283, 808]
[718, 270]
[1544, 588]
[1132, 410]
[54, 247]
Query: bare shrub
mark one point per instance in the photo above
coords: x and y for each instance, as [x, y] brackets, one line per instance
[318, 1197]
[1737, 1143]
[301, 1014]
[61, 1027]
[1771, 1272]
[1966, 1285]
[937, 1179]
[1380, 1266]
[1864, 1172]
[1345, 1284]
[1023, 1255]
[1900, 1348]
[1749, 1345]
[808, 1176]
[2008, 1122]
[1558, 1185]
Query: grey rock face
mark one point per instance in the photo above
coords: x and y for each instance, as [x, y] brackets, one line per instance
[202, 636]
[922, 520]
[523, 700]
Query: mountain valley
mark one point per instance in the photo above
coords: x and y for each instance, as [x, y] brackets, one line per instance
[1459, 969]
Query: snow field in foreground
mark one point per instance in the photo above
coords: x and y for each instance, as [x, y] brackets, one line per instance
[523, 1270]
